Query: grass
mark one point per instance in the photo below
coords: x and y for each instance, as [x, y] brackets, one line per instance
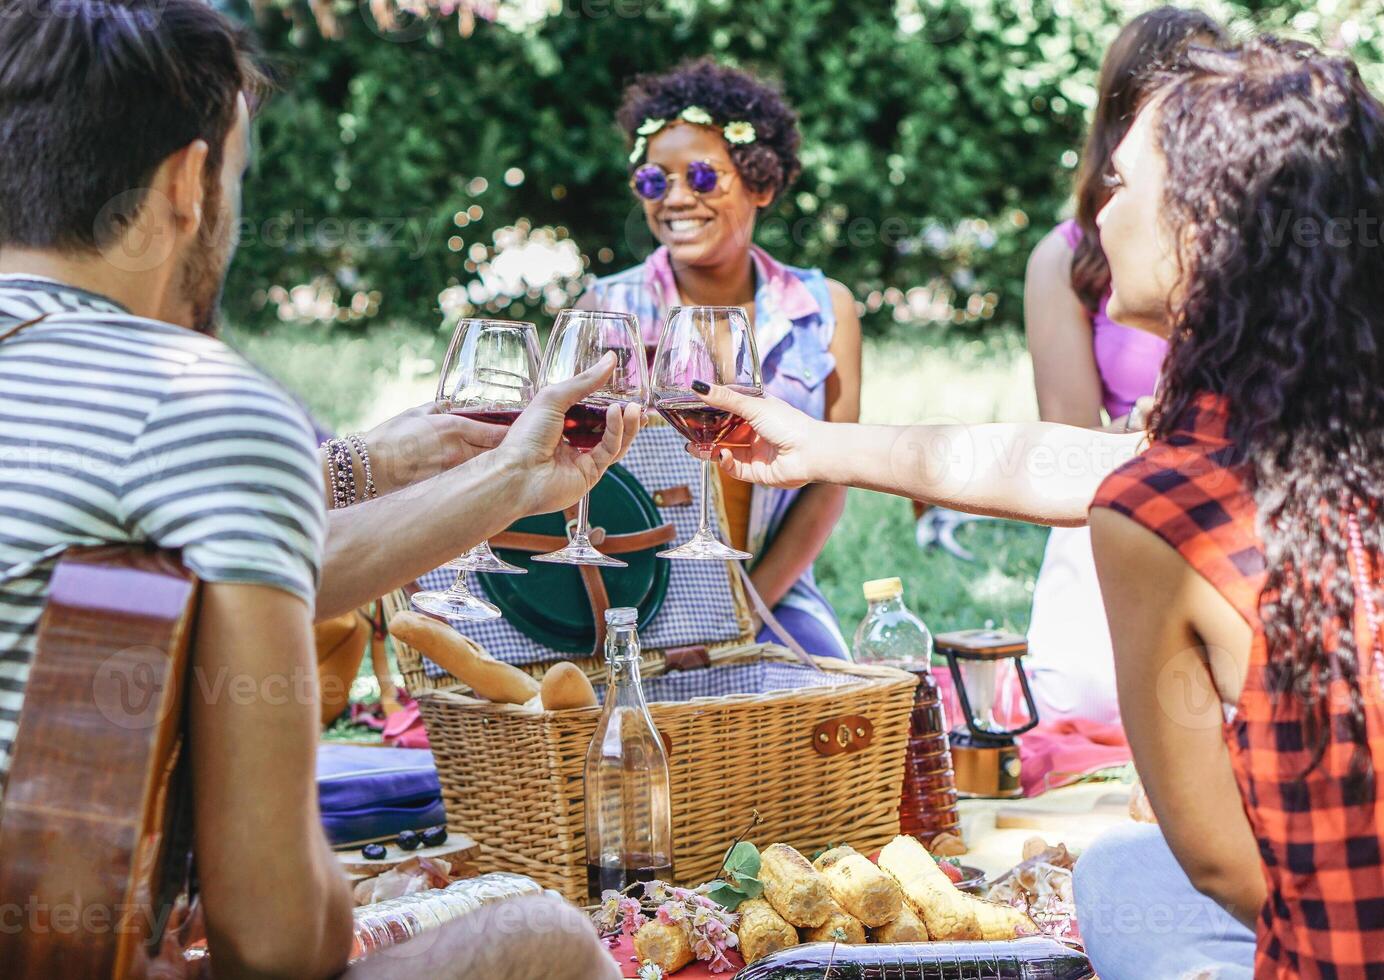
[352, 381]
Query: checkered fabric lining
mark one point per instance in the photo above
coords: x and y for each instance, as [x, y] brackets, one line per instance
[699, 607]
[1319, 838]
[719, 682]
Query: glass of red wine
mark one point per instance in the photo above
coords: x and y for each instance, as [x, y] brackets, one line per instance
[489, 374]
[714, 344]
[579, 340]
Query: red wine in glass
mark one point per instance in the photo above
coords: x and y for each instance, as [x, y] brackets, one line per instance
[705, 425]
[491, 416]
[584, 425]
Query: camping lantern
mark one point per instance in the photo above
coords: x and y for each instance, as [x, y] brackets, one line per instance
[984, 753]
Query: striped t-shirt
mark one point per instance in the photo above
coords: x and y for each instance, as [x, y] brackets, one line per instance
[117, 429]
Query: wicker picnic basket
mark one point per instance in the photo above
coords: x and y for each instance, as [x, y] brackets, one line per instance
[821, 764]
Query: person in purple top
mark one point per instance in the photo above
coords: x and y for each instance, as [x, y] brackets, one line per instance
[1091, 371]
[712, 148]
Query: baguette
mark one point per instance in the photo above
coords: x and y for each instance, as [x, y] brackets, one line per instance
[463, 659]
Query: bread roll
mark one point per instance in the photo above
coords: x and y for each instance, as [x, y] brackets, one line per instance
[840, 927]
[860, 887]
[462, 658]
[665, 945]
[944, 909]
[762, 930]
[907, 928]
[795, 889]
[565, 686]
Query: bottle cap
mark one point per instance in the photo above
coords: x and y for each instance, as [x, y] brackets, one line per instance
[622, 616]
[883, 588]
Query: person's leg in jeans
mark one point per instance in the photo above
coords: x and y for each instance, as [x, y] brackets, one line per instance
[1141, 919]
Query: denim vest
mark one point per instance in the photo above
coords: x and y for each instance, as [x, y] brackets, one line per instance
[794, 325]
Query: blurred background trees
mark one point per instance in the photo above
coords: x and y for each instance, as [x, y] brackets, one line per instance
[448, 156]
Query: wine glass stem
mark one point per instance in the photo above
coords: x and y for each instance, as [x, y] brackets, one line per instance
[458, 588]
[582, 535]
[705, 530]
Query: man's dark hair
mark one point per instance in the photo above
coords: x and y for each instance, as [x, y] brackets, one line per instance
[94, 95]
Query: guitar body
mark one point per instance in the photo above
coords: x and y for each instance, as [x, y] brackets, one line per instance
[94, 827]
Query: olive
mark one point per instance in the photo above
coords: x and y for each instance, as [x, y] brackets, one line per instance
[409, 840]
[373, 852]
[434, 836]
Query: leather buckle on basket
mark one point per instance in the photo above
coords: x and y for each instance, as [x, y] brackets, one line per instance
[687, 658]
[843, 735]
[673, 497]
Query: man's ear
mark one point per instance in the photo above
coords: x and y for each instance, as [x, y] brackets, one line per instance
[182, 176]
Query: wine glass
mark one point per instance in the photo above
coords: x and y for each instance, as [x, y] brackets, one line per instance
[714, 344]
[489, 374]
[580, 339]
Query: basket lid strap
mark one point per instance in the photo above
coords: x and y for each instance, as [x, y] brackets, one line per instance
[770, 620]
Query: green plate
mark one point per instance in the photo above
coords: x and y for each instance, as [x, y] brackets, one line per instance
[549, 605]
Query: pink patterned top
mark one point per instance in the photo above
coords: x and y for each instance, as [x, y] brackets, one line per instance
[1129, 360]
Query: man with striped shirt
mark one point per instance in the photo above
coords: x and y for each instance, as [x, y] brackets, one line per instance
[124, 128]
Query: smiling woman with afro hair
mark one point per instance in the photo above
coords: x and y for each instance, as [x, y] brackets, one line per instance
[710, 148]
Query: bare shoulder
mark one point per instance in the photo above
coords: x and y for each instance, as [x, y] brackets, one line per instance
[843, 305]
[1052, 256]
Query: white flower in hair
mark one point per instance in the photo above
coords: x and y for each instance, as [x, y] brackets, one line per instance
[739, 132]
[638, 150]
[650, 126]
[696, 114]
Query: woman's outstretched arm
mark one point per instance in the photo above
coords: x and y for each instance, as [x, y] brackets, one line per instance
[1039, 472]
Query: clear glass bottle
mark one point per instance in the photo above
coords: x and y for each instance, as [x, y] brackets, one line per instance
[629, 814]
[891, 635]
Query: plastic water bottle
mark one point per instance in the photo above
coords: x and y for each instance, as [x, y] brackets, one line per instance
[893, 636]
[1031, 958]
[889, 633]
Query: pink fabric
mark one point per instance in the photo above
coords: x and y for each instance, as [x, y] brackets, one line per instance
[1060, 752]
[1129, 360]
[404, 729]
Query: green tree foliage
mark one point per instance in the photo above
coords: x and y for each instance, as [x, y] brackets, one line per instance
[939, 141]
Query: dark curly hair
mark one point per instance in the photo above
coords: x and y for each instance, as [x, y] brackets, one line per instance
[1152, 41]
[1275, 157]
[728, 94]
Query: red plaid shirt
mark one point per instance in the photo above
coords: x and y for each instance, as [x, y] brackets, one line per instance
[1321, 845]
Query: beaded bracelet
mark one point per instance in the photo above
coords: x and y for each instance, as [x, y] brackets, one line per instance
[342, 472]
[358, 444]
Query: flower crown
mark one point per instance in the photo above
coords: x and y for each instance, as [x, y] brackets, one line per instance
[737, 133]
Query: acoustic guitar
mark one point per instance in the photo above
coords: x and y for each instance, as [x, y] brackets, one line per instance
[95, 830]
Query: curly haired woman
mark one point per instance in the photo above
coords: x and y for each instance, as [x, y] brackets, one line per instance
[713, 148]
[1240, 554]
